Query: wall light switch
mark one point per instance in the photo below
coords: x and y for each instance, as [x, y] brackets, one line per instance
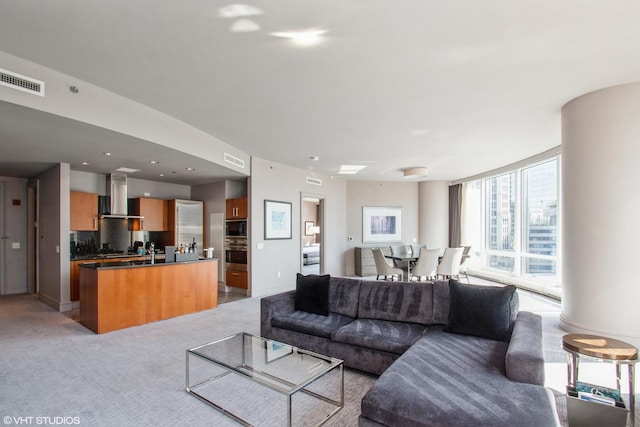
[260, 245]
[57, 249]
[147, 194]
[15, 245]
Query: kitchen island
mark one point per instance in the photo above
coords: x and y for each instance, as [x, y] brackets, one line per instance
[118, 295]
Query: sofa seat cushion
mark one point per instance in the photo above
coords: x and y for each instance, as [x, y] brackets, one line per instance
[384, 335]
[455, 380]
[311, 323]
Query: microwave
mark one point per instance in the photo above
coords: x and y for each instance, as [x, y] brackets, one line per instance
[237, 228]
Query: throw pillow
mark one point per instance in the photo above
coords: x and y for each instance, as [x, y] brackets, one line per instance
[482, 311]
[312, 294]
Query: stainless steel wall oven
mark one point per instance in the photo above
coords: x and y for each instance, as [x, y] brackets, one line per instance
[235, 252]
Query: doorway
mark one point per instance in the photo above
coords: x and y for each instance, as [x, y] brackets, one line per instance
[312, 234]
[32, 236]
[4, 240]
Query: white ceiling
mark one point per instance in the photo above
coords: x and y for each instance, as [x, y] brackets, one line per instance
[458, 86]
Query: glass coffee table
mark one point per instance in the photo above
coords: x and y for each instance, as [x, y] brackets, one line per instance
[257, 381]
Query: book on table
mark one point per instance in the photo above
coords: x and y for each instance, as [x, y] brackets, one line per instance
[600, 394]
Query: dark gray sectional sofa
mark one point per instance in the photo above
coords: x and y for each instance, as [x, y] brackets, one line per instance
[438, 364]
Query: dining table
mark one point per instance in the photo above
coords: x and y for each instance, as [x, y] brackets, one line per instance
[412, 259]
[409, 258]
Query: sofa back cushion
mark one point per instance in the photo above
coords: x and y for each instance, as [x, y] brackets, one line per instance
[441, 301]
[482, 311]
[396, 301]
[312, 294]
[343, 296]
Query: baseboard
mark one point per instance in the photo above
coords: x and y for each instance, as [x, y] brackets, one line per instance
[53, 303]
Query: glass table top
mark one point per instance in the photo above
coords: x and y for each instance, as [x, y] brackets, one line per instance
[277, 365]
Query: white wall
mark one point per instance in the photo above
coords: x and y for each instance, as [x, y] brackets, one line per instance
[88, 182]
[275, 181]
[434, 213]
[159, 190]
[108, 110]
[53, 231]
[600, 205]
[15, 231]
[213, 196]
[375, 193]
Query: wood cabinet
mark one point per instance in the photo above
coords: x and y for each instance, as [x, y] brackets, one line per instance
[237, 208]
[154, 211]
[364, 262]
[121, 297]
[237, 279]
[75, 280]
[83, 211]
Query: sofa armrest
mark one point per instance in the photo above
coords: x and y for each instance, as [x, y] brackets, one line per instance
[525, 358]
[272, 305]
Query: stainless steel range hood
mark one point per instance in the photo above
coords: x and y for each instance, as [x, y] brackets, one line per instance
[117, 192]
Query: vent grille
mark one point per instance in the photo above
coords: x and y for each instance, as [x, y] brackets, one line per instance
[233, 160]
[314, 181]
[21, 83]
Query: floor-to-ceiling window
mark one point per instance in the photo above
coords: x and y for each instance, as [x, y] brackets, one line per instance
[511, 221]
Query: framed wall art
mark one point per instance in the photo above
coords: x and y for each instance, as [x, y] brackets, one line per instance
[277, 220]
[381, 224]
[308, 228]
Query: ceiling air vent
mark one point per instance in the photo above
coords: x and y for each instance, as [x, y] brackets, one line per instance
[314, 181]
[20, 82]
[233, 160]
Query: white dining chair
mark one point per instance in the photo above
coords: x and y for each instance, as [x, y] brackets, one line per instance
[383, 268]
[449, 267]
[415, 249]
[402, 251]
[427, 265]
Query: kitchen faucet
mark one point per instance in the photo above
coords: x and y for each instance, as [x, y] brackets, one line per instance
[152, 251]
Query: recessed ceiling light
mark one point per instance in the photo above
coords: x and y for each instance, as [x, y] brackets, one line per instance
[190, 169]
[314, 158]
[108, 153]
[174, 172]
[127, 170]
[415, 172]
[244, 26]
[154, 162]
[161, 174]
[302, 38]
[238, 10]
[85, 163]
[350, 169]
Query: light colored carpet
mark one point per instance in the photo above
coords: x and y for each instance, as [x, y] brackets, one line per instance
[51, 366]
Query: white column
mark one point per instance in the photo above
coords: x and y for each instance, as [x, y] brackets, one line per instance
[601, 213]
[433, 213]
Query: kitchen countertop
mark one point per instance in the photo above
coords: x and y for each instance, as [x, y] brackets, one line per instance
[110, 256]
[135, 264]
